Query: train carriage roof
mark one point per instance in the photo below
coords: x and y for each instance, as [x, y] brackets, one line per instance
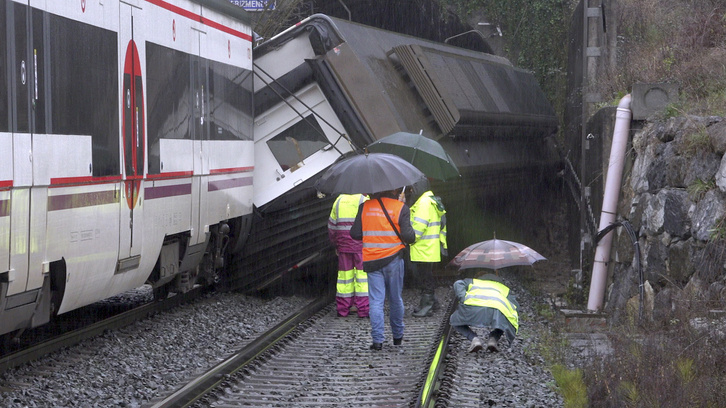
[398, 82]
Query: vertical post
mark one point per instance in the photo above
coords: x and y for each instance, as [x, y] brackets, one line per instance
[591, 43]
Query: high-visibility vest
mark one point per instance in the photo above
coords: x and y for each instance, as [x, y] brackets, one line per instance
[426, 223]
[342, 215]
[492, 294]
[379, 238]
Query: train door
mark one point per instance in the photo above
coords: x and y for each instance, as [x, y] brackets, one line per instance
[6, 138]
[200, 136]
[133, 137]
[21, 78]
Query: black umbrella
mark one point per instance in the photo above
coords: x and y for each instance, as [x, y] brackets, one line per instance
[424, 153]
[367, 174]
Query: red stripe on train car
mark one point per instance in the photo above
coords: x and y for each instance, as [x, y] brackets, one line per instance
[232, 170]
[170, 175]
[66, 181]
[196, 17]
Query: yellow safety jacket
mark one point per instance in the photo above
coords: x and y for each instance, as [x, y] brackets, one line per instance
[341, 219]
[426, 220]
[492, 294]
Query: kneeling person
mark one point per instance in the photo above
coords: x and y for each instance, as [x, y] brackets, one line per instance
[485, 302]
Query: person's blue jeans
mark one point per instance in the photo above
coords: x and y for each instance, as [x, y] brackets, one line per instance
[388, 280]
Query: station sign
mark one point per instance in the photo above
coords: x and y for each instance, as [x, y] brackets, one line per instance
[255, 5]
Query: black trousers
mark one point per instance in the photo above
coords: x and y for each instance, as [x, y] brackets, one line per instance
[423, 273]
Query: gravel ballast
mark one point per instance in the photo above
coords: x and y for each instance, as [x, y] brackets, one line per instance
[150, 359]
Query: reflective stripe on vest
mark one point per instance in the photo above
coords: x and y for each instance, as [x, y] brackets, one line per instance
[492, 294]
[379, 239]
[344, 211]
[426, 223]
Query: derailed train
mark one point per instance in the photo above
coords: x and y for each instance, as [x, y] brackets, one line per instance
[140, 144]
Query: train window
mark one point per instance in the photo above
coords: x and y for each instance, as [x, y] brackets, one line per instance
[37, 82]
[200, 99]
[84, 89]
[230, 102]
[169, 98]
[21, 79]
[4, 94]
[297, 142]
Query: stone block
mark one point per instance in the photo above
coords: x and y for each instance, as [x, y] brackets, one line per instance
[578, 321]
[649, 99]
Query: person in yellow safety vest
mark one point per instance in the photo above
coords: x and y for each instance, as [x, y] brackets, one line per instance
[485, 302]
[428, 218]
[352, 286]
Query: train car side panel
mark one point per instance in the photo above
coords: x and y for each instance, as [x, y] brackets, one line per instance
[83, 231]
[19, 229]
[294, 143]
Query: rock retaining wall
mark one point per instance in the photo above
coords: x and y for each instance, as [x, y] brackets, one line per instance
[674, 196]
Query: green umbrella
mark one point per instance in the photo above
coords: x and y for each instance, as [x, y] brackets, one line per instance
[424, 153]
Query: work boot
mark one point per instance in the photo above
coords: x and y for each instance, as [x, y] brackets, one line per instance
[492, 346]
[425, 306]
[377, 346]
[436, 305]
[476, 345]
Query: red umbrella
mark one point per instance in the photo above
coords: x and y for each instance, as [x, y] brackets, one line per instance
[496, 254]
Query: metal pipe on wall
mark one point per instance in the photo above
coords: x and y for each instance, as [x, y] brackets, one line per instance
[610, 203]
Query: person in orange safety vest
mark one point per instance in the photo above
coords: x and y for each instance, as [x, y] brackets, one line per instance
[383, 224]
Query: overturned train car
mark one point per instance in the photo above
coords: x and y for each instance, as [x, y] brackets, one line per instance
[325, 88]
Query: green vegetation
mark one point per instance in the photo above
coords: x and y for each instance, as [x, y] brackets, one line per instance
[675, 369]
[673, 110]
[695, 142]
[268, 23]
[699, 188]
[674, 41]
[572, 386]
[718, 232]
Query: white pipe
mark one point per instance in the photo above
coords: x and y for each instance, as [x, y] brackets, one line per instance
[610, 203]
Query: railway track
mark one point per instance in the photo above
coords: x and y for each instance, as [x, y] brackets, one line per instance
[315, 358]
[295, 353]
[90, 326]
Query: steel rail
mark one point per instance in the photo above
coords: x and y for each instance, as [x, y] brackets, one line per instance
[197, 388]
[434, 373]
[74, 337]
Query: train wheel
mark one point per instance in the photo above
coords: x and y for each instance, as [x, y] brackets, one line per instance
[8, 342]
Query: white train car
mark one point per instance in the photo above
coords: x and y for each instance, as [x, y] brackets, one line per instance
[126, 148]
